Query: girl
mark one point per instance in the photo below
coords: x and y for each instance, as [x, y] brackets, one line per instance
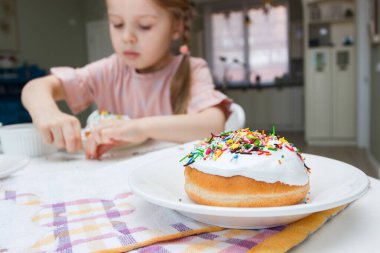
[168, 97]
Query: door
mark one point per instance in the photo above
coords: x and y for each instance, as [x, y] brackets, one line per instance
[344, 93]
[318, 94]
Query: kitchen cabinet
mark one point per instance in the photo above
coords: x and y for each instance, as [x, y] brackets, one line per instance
[330, 66]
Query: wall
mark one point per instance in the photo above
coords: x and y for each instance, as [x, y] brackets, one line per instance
[52, 32]
[94, 10]
[97, 31]
[375, 106]
[363, 74]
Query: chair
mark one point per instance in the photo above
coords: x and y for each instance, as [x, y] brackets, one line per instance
[237, 118]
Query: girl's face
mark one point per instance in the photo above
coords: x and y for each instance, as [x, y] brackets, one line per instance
[141, 33]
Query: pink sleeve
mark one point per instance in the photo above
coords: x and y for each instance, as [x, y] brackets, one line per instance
[203, 93]
[82, 85]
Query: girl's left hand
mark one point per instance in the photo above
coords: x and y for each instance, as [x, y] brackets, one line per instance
[113, 133]
[95, 151]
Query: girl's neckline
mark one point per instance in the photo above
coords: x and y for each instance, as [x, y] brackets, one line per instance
[176, 59]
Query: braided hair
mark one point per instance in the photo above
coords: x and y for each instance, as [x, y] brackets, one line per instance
[181, 10]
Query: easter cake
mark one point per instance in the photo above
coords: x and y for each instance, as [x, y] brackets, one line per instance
[246, 168]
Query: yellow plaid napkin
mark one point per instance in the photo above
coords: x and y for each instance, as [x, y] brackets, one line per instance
[127, 223]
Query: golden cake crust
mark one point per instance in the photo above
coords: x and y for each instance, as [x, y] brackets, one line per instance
[240, 191]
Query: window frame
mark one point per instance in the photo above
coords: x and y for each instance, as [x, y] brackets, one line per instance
[210, 8]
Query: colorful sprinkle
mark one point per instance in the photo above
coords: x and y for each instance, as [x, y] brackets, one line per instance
[273, 131]
[241, 142]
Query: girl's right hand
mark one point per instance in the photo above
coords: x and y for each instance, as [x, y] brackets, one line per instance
[39, 97]
[60, 129]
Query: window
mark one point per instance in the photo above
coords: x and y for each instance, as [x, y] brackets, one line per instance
[247, 44]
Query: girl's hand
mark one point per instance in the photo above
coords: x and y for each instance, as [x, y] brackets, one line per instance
[60, 129]
[113, 133]
[39, 96]
[95, 151]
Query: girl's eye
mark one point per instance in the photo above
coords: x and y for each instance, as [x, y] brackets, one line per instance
[118, 25]
[145, 27]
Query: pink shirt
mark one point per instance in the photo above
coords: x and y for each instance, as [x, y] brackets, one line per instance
[115, 87]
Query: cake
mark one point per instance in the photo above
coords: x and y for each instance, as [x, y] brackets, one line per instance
[246, 168]
[96, 117]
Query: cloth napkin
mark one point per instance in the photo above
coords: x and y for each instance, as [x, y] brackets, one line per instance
[93, 210]
[270, 240]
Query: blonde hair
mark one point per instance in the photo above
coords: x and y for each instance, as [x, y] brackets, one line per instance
[182, 10]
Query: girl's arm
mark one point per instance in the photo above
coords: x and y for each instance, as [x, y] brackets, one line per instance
[38, 97]
[185, 127]
[173, 128]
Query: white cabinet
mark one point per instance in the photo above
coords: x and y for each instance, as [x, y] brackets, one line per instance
[330, 96]
[330, 66]
[318, 94]
[344, 95]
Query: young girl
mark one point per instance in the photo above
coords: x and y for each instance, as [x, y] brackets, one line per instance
[168, 97]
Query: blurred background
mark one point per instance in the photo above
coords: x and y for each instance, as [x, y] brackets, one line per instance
[309, 67]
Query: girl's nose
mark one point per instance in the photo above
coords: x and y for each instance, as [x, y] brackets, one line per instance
[129, 37]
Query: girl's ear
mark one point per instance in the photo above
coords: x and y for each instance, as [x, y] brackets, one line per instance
[177, 29]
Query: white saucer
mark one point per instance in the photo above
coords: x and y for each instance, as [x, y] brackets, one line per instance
[11, 163]
[333, 183]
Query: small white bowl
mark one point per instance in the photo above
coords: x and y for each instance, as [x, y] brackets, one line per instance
[24, 139]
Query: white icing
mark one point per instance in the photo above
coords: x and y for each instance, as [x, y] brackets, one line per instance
[264, 168]
[96, 117]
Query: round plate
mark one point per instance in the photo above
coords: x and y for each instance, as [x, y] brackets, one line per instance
[11, 163]
[332, 184]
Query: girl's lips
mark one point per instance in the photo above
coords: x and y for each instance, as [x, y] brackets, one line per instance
[131, 54]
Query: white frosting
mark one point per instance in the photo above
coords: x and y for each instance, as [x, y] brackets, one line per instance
[252, 154]
[96, 117]
[264, 168]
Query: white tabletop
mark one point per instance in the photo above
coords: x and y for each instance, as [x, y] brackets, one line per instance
[356, 229]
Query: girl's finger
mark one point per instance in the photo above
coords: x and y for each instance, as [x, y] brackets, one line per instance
[95, 134]
[106, 136]
[104, 148]
[90, 149]
[113, 134]
[77, 135]
[47, 136]
[102, 134]
[58, 137]
[70, 137]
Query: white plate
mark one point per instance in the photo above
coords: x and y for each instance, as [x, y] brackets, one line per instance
[11, 163]
[333, 183]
